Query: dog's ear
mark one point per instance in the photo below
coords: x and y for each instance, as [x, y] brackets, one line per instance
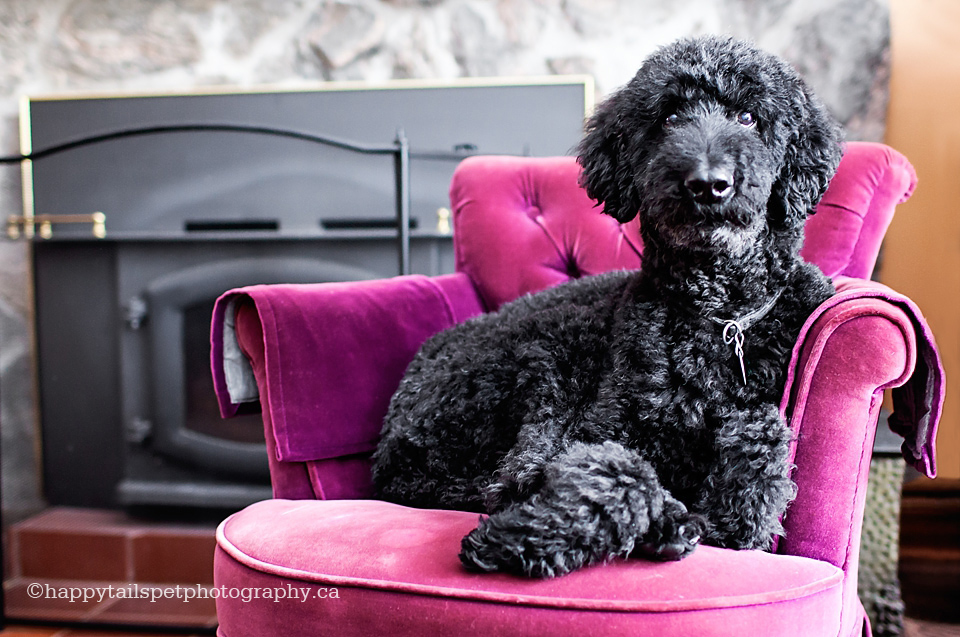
[812, 155]
[607, 174]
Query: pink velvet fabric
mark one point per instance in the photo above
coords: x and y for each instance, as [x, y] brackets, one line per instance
[327, 357]
[535, 229]
[344, 349]
[396, 572]
[843, 238]
[862, 341]
[921, 389]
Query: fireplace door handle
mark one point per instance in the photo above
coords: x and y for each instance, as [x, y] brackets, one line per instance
[135, 312]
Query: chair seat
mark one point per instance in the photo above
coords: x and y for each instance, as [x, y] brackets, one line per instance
[373, 567]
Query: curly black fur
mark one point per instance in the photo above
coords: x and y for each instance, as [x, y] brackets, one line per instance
[606, 417]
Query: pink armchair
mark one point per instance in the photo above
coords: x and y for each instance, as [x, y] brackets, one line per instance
[324, 359]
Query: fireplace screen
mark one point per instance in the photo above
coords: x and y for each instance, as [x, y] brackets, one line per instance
[128, 413]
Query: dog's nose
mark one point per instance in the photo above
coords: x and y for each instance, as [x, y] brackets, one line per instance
[709, 186]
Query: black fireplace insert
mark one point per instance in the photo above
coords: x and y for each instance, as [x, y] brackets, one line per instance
[123, 301]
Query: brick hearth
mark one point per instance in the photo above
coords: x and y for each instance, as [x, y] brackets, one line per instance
[63, 548]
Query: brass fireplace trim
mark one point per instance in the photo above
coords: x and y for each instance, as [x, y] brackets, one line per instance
[29, 226]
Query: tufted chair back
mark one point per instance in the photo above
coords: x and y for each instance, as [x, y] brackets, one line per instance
[536, 227]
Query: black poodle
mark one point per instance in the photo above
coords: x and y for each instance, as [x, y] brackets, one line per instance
[636, 413]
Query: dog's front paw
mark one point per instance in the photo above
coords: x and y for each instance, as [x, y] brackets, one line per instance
[674, 539]
[499, 543]
[479, 555]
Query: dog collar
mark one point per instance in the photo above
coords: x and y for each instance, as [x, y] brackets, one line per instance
[733, 329]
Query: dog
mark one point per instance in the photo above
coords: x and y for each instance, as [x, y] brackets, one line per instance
[635, 413]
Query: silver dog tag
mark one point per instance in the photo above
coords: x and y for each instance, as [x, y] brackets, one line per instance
[733, 335]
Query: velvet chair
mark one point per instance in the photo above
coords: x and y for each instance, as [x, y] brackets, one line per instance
[323, 360]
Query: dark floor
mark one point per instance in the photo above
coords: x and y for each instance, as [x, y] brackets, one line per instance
[918, 628]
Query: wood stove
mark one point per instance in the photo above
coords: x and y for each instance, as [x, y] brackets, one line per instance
[123, 302]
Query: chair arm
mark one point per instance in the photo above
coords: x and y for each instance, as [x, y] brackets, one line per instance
[852, 352]
[326, 359]
[864, 340]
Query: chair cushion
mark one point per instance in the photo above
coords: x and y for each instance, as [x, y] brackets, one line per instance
[378, 568]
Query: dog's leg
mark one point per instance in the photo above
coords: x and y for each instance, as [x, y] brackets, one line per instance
[597, 501]
[547, 409]
[520, 473]
[748, 488]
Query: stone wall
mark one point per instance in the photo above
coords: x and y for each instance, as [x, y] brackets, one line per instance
[57, 46]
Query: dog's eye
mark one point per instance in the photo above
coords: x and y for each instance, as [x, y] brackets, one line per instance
[670, 120]
[746, 119]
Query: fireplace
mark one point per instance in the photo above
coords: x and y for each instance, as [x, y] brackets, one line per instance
[123, 301]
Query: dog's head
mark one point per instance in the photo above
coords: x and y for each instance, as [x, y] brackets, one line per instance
[713, 143]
